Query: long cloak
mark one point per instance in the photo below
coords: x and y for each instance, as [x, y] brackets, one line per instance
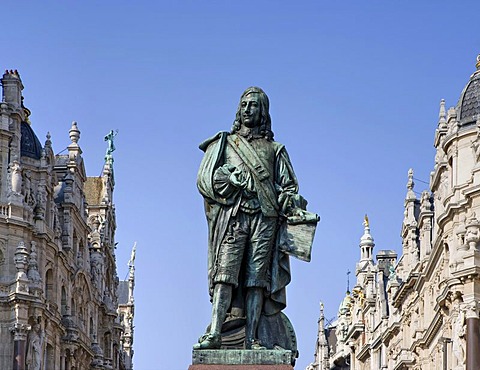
[218, 212]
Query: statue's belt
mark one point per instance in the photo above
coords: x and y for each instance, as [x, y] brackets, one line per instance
[263, 183]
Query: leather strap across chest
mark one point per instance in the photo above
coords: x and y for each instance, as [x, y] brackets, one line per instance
[261, 174]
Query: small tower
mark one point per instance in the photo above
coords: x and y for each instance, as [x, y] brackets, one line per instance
[12, 88]
[366, 243]
[365, 267]
[366, 254]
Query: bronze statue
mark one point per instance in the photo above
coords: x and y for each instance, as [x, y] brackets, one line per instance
[250, 193]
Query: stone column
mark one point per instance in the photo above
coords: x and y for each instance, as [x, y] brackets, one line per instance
[19, 345]
[473, 338]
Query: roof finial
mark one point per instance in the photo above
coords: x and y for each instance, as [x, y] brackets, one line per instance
[478, 62]
[74, 133]
[348, 281]
[365, 221]
[131, 261]
[442, 115]
[410, 186]
[410, 183]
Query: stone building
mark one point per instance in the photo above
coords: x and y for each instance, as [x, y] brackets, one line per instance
[421, 311]
[59, 291]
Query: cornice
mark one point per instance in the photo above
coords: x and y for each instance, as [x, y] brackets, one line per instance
[405, 288]
[364, 353]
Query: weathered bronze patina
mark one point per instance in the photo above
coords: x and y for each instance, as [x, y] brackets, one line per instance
[256, 219]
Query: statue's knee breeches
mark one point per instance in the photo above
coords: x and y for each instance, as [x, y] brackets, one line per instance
[248, 243]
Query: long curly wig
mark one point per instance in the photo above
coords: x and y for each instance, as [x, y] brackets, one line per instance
[266, 122]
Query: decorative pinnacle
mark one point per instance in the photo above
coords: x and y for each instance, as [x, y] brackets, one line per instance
[366, 237]
[131, 262]
[48, 142]
[365, 221]
[410, 186]
[442, 116]
[348, 281]
[478, 62]
[410, 183]
[74, 133]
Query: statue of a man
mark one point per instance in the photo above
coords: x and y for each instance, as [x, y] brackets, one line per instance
[111, 147]
[35, 347]
[249, 186]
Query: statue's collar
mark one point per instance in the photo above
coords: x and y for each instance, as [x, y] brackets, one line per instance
[250, 133]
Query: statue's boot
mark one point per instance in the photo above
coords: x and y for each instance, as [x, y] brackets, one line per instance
[254, 344]
[209, 341]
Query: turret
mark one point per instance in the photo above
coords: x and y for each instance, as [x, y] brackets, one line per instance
[365, 268]
[366, 243]
[12, 88]
[365, 265]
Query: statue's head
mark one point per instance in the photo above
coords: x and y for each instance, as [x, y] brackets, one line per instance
[252, 112]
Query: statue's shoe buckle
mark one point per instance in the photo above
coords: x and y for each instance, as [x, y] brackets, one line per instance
[255, 345]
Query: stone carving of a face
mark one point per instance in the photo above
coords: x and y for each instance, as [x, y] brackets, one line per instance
[250, 110]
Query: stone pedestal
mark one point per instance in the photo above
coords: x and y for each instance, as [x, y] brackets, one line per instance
[240, 367]
[241, 360]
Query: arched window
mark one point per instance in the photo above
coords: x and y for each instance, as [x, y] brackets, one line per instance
[64, 301]
[75, 245]
[49, 285]
[92, 329]
[49, 357]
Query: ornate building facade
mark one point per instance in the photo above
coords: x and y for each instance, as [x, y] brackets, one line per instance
[61, 303]
[421, 311]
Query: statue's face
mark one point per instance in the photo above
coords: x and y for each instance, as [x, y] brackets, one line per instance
[250, 110]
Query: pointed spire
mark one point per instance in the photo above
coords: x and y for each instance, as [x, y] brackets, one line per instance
[442, 116]
[322, 340]
[410, 186]
[131, 261]
[131, 277]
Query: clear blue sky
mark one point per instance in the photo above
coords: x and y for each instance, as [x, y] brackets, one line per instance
[354, 88]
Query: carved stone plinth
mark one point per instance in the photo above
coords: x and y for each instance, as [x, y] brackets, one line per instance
[240, 367]
[241, 359]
